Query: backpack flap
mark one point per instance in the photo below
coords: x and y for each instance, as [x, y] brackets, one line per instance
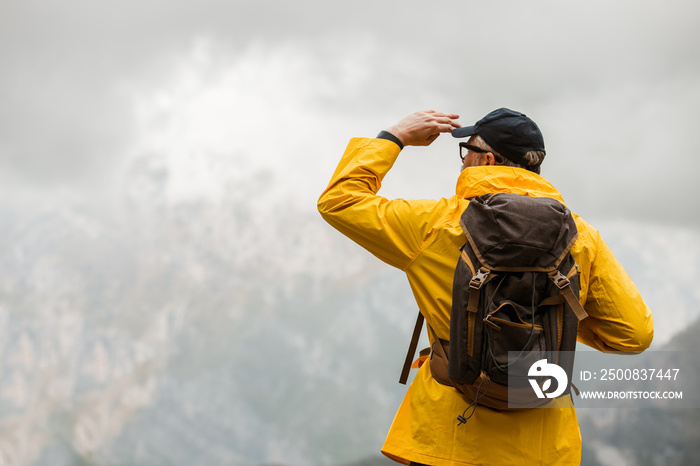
[518, 232]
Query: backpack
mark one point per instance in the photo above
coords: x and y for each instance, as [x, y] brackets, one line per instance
[515, 305]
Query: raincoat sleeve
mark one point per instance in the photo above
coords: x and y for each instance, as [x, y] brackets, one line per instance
[351, 205]
[619, 320]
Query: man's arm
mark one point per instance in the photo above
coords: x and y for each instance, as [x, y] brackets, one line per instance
[619, 320]
[391, 230]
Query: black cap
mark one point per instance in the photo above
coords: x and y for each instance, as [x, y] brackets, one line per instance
[508, 132]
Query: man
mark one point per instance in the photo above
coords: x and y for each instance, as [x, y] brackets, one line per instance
[503, 154]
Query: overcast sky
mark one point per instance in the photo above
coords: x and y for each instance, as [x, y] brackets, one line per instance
[220, 90]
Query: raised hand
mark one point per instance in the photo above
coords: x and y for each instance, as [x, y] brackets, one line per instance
[422, 128]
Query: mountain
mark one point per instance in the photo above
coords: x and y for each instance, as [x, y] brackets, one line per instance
[170, 334]
[649, 436]
[241, 330]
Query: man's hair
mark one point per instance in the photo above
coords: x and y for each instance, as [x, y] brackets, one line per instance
[534, 158]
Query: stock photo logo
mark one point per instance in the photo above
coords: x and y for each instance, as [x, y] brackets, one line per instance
[542, 368]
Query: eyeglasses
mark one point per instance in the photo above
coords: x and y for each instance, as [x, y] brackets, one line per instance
[464, 148]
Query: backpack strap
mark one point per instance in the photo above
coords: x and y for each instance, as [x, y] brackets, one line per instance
[438, 344]
[565, 290]
[475, 284]
[412, 349]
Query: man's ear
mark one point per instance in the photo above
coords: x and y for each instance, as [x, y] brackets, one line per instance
[489, 158]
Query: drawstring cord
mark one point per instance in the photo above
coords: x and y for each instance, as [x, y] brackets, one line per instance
[463, 418]
[473, 404]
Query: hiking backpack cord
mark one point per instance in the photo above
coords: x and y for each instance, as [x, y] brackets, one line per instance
[473, 404]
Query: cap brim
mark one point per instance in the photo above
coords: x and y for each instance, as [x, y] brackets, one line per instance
[464, 132]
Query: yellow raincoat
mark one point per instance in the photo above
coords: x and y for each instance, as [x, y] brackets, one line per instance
[422, 238]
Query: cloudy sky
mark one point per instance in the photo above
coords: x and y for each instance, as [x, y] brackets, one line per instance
[221, 90]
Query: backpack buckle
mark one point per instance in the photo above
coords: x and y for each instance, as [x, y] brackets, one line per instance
[479, 279]
[559, 280]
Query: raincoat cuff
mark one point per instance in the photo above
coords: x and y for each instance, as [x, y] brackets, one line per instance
[390, 137]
